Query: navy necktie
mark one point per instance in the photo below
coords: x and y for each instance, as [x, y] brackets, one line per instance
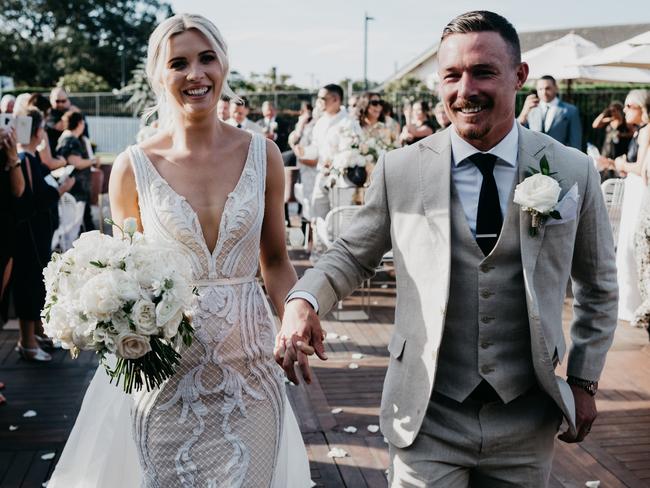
[488, 217]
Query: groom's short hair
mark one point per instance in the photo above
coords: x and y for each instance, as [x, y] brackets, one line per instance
[485, 21]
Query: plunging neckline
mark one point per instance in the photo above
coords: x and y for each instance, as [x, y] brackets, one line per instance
[194, 215]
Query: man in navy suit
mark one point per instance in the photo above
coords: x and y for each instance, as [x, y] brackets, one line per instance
[546, 113]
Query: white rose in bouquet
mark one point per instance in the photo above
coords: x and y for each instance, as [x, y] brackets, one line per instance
[144, 317]
[132, 346]
[101, 295]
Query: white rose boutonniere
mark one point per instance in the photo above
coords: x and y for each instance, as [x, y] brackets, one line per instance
[538, 195]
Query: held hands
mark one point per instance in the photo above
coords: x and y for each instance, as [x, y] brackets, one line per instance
[585, 415]
[301, 336]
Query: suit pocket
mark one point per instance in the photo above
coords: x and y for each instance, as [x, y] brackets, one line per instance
[396, 345]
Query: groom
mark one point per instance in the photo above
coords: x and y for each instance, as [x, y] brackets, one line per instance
[471, 397]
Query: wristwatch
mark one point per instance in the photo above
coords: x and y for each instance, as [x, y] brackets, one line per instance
[13, 165]
[590, 387]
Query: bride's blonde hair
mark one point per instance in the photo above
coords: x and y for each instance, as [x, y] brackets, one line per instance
[157, 52]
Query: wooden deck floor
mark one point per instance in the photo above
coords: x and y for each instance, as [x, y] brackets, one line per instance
[617, 452]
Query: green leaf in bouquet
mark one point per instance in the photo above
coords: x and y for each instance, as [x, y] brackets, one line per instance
[98, 264]
[544, 166]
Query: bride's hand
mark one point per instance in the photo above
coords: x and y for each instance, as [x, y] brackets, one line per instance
[301, 336]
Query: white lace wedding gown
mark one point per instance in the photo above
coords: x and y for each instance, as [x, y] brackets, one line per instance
[223, 420]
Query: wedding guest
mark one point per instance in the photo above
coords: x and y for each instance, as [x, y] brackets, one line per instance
[54, 126]
[637, 106]
[72, 146]
[545, 112]
[274, 128]
[33, 245]
[7, 104]
[41, 103]
[21, 103]
[299, 139]
[12, 185]
[391, 122]
[617, 138]
[324, 143]
[239, 110]
[352, 103]
[417, 124]
[223, 108]
[441, 116]
[371, 118]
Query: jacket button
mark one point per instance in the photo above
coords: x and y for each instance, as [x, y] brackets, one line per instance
[485, 369]
[486, 320]
[485, 344]
[484, 268]
[486, 293]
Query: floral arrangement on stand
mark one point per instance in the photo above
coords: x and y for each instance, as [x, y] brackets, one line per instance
[123, 296]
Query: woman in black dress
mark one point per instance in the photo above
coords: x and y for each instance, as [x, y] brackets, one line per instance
[418, 124]
[33, 244]
[72, 147]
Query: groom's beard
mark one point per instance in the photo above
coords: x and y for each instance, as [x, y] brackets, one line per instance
[478, 131]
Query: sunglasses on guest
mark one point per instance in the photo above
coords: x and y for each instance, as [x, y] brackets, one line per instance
[375, 102]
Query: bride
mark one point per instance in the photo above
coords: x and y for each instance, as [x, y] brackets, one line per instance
[216, 193]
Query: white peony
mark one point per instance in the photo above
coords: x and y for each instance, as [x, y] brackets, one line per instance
[538, 192]
[130, 345]
[101, 295]
[144, 317]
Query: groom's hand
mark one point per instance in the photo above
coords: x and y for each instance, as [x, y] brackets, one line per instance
[301, 336]
[585, 415]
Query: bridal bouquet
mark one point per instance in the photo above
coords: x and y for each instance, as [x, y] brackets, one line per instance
[126, 297]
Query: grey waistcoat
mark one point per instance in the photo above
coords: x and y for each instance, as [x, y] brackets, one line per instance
[486, 332]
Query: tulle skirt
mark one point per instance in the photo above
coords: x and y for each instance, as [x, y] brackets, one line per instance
[101, 452]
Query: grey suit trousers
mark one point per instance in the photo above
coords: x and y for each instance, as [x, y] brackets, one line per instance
[480, 445]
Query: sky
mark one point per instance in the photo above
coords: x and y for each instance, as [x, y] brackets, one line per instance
[322, 42]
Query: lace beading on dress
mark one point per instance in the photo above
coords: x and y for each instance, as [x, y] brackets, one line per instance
[217, 421]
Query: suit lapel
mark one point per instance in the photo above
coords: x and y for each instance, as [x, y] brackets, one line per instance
[531, 150]
[434, 172]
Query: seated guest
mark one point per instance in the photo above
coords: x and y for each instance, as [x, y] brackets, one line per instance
[72, 147]
[239, 110]
[417, 124]
[33, 245]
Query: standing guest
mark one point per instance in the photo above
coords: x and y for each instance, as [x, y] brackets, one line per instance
[41, 103]
[21, 105]
[628, 166]
[369, 112]
[324, 143]
[617, 138]
[72, 147]
[239, 110]
[273, 128]
[352, 103]
[441, 116]
[33, 245]
[545, 112]
[60, 104]
[391, 123]
[471, 396]
[7, 104]
[223, 108]
[417, 124]
[299, 139]
[12, 185]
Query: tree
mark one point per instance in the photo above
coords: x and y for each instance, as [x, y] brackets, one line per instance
[357, 85]
[41, 40]
[272, 81]
[408, 84]
[83, 81]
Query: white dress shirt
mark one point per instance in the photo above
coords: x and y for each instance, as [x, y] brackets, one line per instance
[323, 146]
[467, 177]
[549, 109]
[247, 124]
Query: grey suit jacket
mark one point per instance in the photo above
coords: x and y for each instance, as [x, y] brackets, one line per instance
[408, 208]
[565, 126]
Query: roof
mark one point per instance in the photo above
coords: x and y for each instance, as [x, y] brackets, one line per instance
[602, 36]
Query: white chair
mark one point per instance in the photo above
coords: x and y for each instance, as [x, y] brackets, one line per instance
[299, 193]
[613, 193]
[71, 215]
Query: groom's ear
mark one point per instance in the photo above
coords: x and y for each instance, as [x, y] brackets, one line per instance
[522, 74]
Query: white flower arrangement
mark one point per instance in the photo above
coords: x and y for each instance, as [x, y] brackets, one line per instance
[538, 195]
[126, 297]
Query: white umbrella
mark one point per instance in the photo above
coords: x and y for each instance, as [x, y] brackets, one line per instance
[561, 59]
[632, 53]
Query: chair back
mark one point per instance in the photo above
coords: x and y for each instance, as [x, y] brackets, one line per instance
[613, 194]
[339, 219]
